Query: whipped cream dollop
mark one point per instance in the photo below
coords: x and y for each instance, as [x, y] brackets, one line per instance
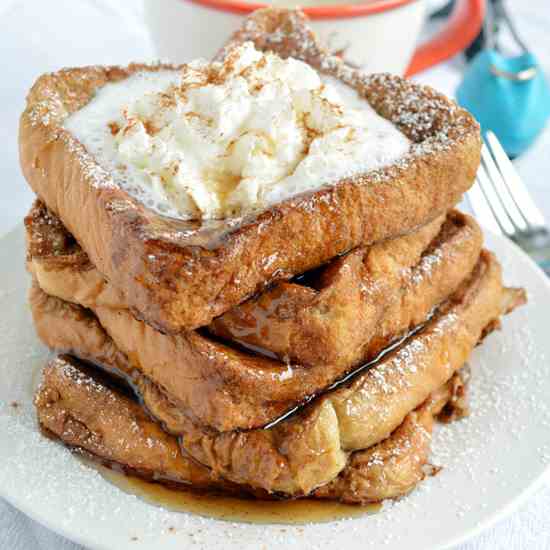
[216, 140]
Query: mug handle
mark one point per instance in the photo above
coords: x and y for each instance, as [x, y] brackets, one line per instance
[462, 27]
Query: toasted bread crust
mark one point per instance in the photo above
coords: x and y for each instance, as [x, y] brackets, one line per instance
[123, 436]
[395, 466]
[361, 301]
[364, 309]
[180, 275]
[68, 401]
[311, 447]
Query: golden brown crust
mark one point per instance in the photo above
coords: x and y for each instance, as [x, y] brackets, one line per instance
[312, 447]
[180, 275]
[85, 411]
[359, 303]
[395, 466]
[121, 435]
[364, 309]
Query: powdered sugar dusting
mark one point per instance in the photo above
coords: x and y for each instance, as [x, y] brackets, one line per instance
[509, 424]
[94, 173]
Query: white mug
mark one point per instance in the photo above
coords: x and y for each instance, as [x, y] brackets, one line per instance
[375, 35]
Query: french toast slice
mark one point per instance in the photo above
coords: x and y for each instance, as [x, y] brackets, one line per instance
[310, 447]
[123, 436]
[179, 274]
[370, 298]
[86, 409]
[350, 310]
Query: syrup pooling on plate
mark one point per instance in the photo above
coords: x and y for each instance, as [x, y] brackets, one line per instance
[218, 140]
[229, 508]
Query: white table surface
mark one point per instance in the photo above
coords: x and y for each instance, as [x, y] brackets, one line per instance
[38, 36]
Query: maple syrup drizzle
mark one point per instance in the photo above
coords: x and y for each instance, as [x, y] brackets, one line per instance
[228, 508]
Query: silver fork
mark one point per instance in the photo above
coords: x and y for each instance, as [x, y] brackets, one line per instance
[501, 202]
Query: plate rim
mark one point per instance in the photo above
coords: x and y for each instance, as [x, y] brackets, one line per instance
[489, 521]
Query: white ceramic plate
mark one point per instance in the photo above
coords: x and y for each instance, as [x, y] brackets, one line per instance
[492, 461]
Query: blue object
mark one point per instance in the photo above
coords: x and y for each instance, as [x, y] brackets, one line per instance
[509, 96]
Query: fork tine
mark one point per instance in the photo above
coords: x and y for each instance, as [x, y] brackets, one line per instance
[516, 187]
[494, 203]
[481, 209]
[502, 190]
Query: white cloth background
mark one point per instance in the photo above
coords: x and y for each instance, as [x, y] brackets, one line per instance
[38, 36]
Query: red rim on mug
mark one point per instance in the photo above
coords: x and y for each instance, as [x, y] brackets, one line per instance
[334, 11]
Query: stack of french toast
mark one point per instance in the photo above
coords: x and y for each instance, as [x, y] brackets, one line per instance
[304, 347]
